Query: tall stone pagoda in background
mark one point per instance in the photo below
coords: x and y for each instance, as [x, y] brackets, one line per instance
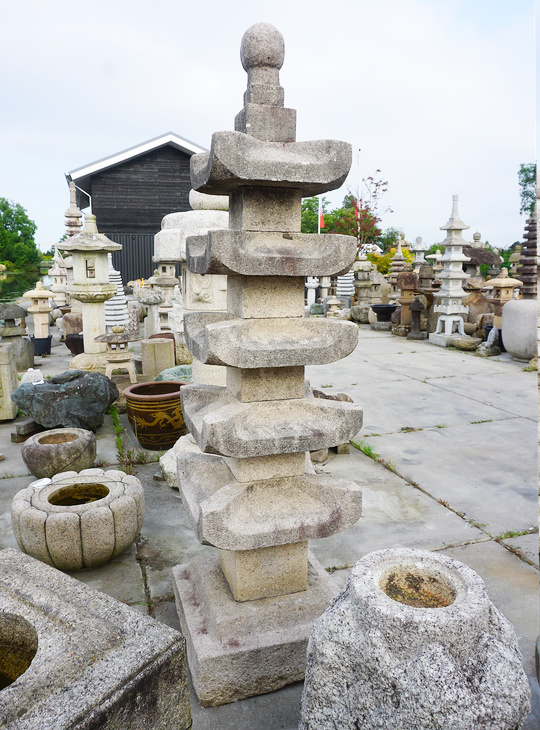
[451, 293]
[247, 608]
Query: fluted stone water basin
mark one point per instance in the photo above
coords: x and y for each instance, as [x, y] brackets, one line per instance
[58, 450]
[75, 521]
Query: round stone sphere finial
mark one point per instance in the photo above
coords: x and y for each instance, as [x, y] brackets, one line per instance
[262, 45]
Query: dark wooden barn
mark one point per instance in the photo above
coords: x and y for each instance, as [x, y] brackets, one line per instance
[131, 191]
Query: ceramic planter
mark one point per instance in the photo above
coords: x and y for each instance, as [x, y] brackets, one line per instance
[75, 521]
[59, 449]
[155, 413]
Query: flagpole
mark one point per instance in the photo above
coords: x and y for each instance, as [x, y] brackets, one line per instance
[319, 216]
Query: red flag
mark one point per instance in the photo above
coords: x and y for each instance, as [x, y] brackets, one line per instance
[321, 221]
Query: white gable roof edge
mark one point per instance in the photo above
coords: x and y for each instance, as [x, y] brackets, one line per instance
[140, 149]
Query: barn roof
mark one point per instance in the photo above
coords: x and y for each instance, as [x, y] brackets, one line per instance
[82, 176]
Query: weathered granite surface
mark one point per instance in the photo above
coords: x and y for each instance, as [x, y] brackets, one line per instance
[261, 253]
[75, 398]
[221, 424]
[99, 665]
[235, 515]
[413, 641]
[220, 339]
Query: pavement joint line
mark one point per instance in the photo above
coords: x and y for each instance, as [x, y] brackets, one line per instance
[405, 429]
[142, 564]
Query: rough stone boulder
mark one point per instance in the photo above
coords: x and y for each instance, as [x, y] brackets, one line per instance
[74, 399]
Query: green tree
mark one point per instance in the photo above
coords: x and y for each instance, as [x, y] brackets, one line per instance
[361, 224]
[17, 247]
[310, 214]
[527, 187]
[389, 238]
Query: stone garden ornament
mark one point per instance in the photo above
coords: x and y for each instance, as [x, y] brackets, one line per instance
[413, 641]
[246, 608]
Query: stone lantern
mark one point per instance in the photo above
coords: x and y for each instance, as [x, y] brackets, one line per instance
[419, 249]
[407, 283]
[40, 309]
[58, 274]
[23, 350]
[451, 292]
[502, 291]
[92, 288]
[397, 265]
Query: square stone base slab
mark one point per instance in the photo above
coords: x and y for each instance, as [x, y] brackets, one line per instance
[443, 340]
[382, 326]
[238, 650]
[99, 665]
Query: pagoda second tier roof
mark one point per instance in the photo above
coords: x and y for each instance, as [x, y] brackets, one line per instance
[237, 159]
[221, 424]
[234, 515]
[90, 242]
[270, 253]
[216, 338]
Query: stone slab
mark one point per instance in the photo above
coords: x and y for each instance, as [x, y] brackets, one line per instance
[123, 670]
[221, 424]
[264, 253]
[236, 159]
[235, 515]
[219, 339]
[484, 470]
[236, 649]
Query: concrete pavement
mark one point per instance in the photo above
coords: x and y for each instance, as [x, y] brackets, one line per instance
[460, 437]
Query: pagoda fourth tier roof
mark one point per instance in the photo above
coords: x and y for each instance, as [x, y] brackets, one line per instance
[237, 159]
[221, 424]
[254, 253]
[218, 338]
[233, 515]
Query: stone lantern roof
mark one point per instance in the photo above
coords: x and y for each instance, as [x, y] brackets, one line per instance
[90, 240]
[39, 292]
[503, 281]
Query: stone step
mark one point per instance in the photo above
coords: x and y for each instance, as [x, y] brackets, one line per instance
[218, 338]
[221, 424]
[265, 253]
[236, 160]
[234, 515]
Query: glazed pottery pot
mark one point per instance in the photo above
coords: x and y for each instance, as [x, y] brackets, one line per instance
[155, 414]
[75, 521]
[59, 449]
[383, 311]
[42, 345]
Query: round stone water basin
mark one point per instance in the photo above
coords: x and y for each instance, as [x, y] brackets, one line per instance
[59, 450]
[18, 647]
[420, 589]
[76, 494]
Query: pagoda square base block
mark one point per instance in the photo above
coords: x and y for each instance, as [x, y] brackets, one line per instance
[238, 650]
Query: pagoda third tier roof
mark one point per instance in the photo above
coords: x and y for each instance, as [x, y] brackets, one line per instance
[216, 338]
[221, 424]
[254, 253]
[236, 160]
[234, 515]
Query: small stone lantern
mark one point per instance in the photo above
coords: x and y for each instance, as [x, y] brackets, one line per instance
[503, 291]
[92, 288]
[40, 309]
[118, 355]
[407, 283]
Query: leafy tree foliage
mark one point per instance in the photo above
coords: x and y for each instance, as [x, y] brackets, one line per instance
[18, 250]
[310, 214]
[527, 187]
[384, 261]
[389, 238]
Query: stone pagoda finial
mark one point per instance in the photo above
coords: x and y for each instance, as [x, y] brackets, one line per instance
[73, 214]
[262, 53]
[454, 222]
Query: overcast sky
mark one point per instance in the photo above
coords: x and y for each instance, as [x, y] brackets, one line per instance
[438, 94]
